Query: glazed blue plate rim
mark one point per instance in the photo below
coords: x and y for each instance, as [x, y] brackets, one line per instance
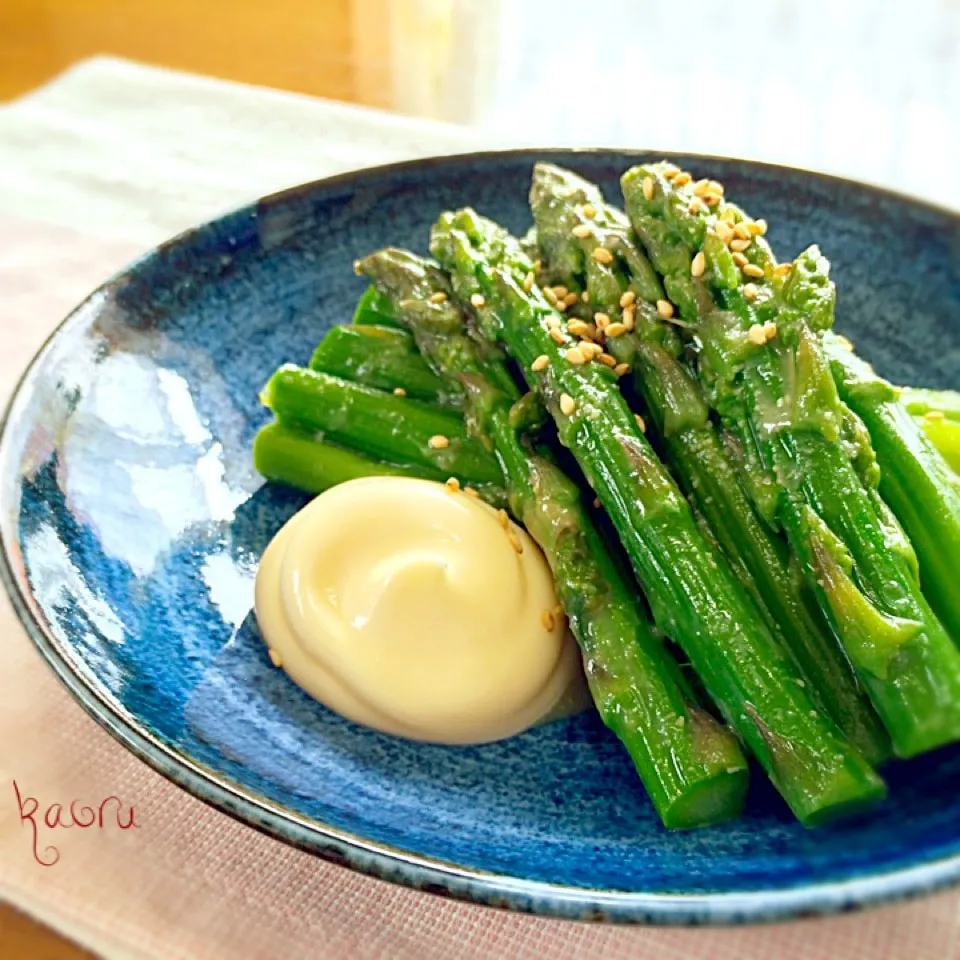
[381, 860]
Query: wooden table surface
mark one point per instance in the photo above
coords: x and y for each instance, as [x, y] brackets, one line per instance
[328, 48]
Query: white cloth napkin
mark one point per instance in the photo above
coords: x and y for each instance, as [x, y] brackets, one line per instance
[104, 162]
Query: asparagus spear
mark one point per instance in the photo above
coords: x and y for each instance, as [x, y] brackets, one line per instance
[625, 294]
[915, 480]
[379, 424]
[385, 358]
[691, 765]
[298, 460]
[693, 596]
[756, 326]
[373, 309]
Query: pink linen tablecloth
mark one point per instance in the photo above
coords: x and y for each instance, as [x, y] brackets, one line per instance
[191, 883]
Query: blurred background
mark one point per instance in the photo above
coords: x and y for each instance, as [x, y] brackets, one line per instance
[866, 88]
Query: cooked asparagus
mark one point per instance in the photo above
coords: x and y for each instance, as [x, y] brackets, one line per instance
[385, 358]
[691, 765]
[694, 598]
[915, 480]
[380, 425]
[624, 296]
[756, 326]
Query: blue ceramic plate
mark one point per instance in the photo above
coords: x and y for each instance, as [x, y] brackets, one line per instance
[133, 522]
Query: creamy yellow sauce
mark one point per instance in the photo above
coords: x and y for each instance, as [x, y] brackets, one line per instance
[418, 611]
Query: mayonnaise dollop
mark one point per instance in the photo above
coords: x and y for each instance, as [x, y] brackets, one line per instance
[420, 611]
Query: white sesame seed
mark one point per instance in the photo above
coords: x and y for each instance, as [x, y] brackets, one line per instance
[615, 330]
[607, 360]
[750, 291]
[621, 368]
[478, 300]
[274, 657]
[567, 404]
[628, 317]
[739, 245]
[769, 330]
[648, 188]
[550, 295]
[541, 363]
[575, 356]
[585, 296]
[752, 270]
[581, 231]
[602, 255]
[628, 299]
[453, 484]
[528, 281]
[757, 335]
[723, 230]
[601, 319]
[577, 327]
[560, 291]
[640, 423]
[438, 297]
[665, 309]
[589, 349]
[741, 230]
[570, 299]
[439, 442]
[399, 392]
[589, 211]
[557, 335]
[699, 265]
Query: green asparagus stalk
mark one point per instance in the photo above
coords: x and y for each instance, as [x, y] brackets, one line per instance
[298, 460]
[694, 598]
[756, 327]
[915, 480]
[373, 309]
[380, 425]
[691, 765]
[384, 358]
[572, 220]
[938, 414]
